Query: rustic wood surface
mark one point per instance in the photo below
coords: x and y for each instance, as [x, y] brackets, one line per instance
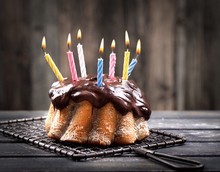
[178, 67]
[201, 128]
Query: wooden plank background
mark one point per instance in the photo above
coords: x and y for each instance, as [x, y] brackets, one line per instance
[178, 67]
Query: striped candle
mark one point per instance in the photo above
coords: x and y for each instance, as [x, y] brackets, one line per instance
[134, 60]
[112, 61]
[99, 72]
[71, 60]
[72, 66]
[81, 56]
[131, 66]
[100, 65]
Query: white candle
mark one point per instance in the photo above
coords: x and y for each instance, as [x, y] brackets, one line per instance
[81, 56]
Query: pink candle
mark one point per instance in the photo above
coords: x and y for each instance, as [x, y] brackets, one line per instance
[112, 61]
[71, 61]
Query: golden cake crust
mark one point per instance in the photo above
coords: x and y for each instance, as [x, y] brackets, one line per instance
[82, 123]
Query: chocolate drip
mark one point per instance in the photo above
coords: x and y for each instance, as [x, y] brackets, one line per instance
[124, 95]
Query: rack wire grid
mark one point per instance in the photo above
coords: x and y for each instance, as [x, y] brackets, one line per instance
[31, 130]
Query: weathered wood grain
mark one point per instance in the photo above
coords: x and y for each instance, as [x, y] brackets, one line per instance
[195, 55]
[180, 62]
[202, 145]
[212, 60]
[6, 139]
[177, 69]
[12, 164]
[39, 67]
[94, 165]
[160, 70]
[15, 55]
[23, 150]
[179, 124]
[198, 135]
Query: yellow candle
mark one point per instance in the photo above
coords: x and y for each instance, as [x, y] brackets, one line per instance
[51, 62]
[126, 58]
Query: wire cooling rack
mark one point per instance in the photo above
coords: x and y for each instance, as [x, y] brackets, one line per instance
[31, 130]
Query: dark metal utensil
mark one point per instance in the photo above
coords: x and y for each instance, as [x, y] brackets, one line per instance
[169, 160]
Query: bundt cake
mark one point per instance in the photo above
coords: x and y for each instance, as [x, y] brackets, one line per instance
[82, 112]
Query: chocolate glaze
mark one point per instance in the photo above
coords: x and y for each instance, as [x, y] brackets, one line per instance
[124, 95]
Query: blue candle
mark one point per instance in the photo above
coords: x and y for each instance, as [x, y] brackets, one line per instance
[134, 60]
[99, 72]
[131, 66]
[100, 65]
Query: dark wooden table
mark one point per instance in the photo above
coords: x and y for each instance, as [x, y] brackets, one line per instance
[201, 128]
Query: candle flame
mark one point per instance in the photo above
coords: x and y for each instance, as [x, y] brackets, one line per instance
[69, 40]
[43, 43]
[79, 34]
[101, 49]
[113, 44]
[138, 48]
[127, 42]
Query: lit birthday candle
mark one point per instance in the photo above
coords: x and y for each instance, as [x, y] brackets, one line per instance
[126, 58]
[112, 61]
[100, 64]
[71, 60]
[134, 60]
[51, 62]
[81, 55]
